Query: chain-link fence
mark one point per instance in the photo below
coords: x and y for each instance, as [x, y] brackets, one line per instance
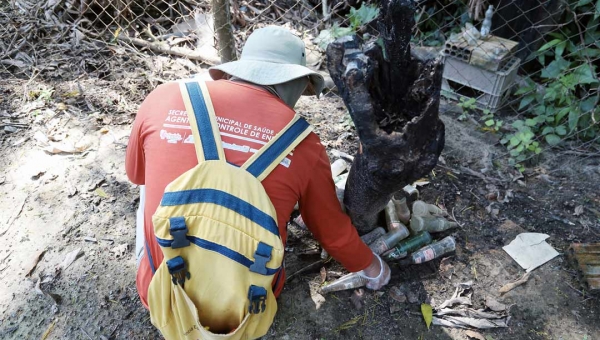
[532, 79]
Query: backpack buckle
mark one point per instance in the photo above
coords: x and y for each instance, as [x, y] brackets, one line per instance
[178, 270]
[258, 299]
[178, 229]
[261, 257]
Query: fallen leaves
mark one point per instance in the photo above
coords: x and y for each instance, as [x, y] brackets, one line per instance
[510, 286]
[36, 259]
[475, 335]
[71, 257]
[578, 210]
[427, 312]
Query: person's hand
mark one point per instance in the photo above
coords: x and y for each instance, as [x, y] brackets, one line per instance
[377, 273]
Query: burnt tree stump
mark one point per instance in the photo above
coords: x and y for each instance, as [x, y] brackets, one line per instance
[393, 98]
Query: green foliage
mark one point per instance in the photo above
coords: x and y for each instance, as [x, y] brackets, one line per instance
[491, 122]
[358, 18]
[565, 106]
[437, 20]
[468, 106]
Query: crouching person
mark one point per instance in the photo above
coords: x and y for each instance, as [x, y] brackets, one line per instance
[223, 164]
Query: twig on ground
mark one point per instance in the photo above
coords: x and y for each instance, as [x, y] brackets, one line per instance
[455, 220]
[580, 292]
[163, 47]
[510, 286]
[305, 269]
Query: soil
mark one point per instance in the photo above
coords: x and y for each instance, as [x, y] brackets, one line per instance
[58, 203]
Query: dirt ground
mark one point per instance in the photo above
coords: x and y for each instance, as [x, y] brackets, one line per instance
[54, 204]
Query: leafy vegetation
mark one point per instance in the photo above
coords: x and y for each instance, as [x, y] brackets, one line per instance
[565, 107]
[357, 18]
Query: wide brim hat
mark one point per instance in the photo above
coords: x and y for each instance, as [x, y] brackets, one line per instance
[272, 55]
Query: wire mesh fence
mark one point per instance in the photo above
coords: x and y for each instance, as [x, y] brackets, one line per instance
[532, 79]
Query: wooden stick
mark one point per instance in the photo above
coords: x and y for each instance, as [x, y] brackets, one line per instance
[510, 286]
[163, 47]
[305, 269]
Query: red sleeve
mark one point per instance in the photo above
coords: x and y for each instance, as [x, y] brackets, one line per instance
[135, 163]
[322, 213]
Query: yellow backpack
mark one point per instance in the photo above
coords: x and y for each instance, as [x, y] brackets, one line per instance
[218, 232]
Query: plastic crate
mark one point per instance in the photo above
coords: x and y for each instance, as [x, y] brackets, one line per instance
[483, 101]
[490, 82]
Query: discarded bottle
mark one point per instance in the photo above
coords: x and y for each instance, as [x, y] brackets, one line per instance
[409, 245]
[402, 210]
[420, 208]
[431, 224]
[412, 192]
[391, 218]
[433, 251]
[349, 281]
[389, 240]
[338, 167]
[373, 235]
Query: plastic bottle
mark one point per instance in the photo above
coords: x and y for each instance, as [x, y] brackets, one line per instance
[338, 167]
[349, 281]
[431, 224]
[420, 208]
[408, 245]
[402, 210]
[433, 251]
[373, 235]
[389, 240]
[300, 222]
[391, 218]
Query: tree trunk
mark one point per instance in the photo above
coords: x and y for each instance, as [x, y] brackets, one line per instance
[222, 18]
[393, 99]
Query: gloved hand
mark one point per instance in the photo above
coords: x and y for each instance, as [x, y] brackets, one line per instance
[377, 273]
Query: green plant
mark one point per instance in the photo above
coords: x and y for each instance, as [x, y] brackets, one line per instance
[468, 106]
[561, 102]
[491, 122]
[437, 20]
[357, 18]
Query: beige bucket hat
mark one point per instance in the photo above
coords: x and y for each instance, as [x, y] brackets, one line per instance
[271, 55]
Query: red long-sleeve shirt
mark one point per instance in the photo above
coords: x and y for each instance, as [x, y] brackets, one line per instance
[160, 150]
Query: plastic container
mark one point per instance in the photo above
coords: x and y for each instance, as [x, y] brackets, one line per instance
[402, 210]
[420, 208]
[431, 224]
[389, 240]
[373, 235]
[408, 245]
[349, 281]
[433, 251]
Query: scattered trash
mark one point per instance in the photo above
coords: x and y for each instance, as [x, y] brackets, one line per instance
[90, 239]
[433, 251]
[10, 129]
[391, 217]
[463, 316]
[357, 298]
[343, 155]
[431, 224]
[371, 236]
[578, 210]
[402, 210]
[36, 259]
[412, 192]
[397, 294]
[420, 183]
[510, 286]
[420, 208]
[586, 257]
[349, 281]
[70, 258]
[530, 250]
[2, 179]
[427, 312]
[389, 240]
[120, 250]
[408, 245]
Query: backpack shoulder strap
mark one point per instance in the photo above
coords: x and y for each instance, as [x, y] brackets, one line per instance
[201, 115]
[269, 156]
